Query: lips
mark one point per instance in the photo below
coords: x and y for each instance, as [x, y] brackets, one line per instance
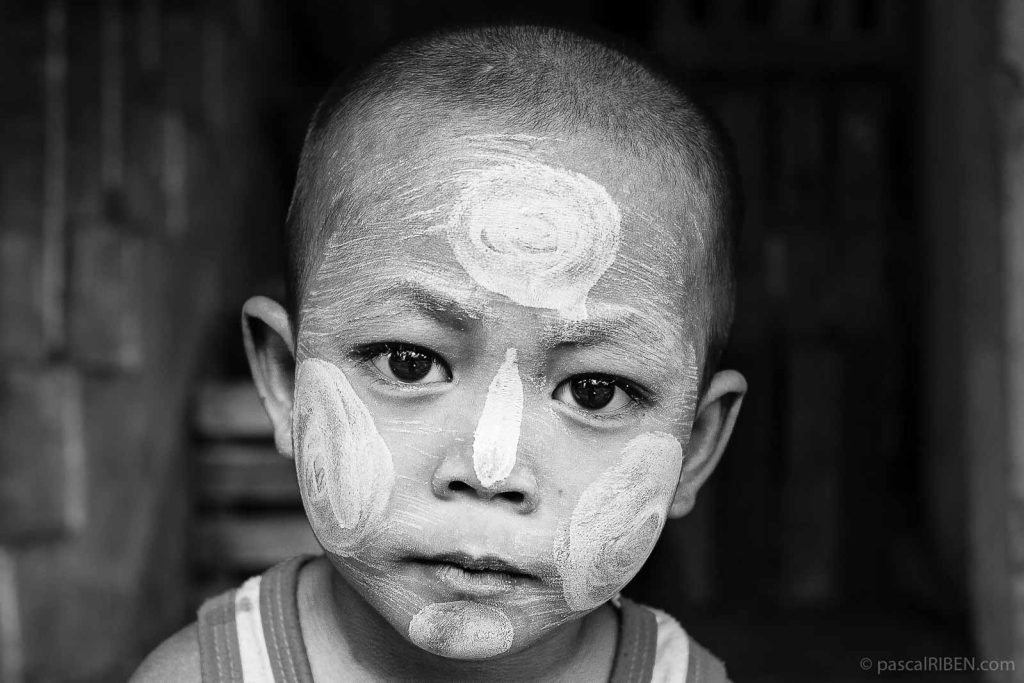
[475, 576]
[485, 563]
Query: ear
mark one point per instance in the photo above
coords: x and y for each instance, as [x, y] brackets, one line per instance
[712, 428]
[271, 351]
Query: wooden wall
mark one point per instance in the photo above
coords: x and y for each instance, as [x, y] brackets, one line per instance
[973, 191]
[130, 165]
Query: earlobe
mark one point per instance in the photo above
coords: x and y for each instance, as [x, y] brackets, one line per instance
[712, 427]
[269, 345]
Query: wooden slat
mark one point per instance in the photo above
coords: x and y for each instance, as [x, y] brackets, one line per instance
[792, 17]
[893, 16]
[112, 99]
[217, 86]
[42, 484]
[147, 34]
[20, 295]
[845, 16]
[813, 372]
[252, 543]
[12, 656]
[175, 174]
[1011, 118]
[86, 201]
[805, 54]
[21, 183]
[144, 122]
[863, 195]
[809, 251]
[728, 14]
[700, 571]
[743, 114]
[802, 177]
[811, 492]
[108, 289]
[229, 473]
[866, 308]
[182, 187]
[789, 42]
[55, 170]
[226, 410]
[22, 314]
[745, 567]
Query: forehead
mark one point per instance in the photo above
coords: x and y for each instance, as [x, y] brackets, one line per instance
[548, 221]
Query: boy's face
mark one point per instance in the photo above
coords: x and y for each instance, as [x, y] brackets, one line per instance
[496, 382]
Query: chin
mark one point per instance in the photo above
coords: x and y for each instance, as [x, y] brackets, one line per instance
[459, 612]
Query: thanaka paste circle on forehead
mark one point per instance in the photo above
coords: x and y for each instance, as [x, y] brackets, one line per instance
[461, 629]
[617, 521]
[496, 438]
[539, 235]
[344, 467]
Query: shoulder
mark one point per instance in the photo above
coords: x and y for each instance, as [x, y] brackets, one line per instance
[175, 659]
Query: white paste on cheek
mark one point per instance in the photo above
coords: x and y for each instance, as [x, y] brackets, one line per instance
[539, 235]
[617, 521]
[461, 629]
[496, 439]
[345, 470]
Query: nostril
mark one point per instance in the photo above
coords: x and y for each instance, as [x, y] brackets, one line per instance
[458, 486]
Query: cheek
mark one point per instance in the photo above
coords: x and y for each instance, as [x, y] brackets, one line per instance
[344, 468]
[617, 521]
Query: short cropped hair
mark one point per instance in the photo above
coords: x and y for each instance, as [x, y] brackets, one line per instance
[548, 80]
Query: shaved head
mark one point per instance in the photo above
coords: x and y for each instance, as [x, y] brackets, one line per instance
[520, 80]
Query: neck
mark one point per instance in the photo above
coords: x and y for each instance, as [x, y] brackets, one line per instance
[345, 634]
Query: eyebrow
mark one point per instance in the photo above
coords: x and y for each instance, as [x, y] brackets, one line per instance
[443, 307]
[619, 326]
[613, 324]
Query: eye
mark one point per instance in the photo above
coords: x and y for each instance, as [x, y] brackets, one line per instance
[599, 394]
[409, 364]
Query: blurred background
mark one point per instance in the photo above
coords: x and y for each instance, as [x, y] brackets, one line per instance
[870, 504]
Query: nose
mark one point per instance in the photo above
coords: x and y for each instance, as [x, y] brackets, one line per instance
[495, 472]
[455, 478]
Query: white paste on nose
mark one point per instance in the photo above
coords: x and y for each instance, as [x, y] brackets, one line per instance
[496, 439]
[344, 467]
[461, 629]
[539, 235]
[617, 521]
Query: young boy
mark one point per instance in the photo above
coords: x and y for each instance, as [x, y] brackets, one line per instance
[510, 281]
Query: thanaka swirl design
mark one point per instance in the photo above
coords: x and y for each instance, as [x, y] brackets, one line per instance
[344, 467]
[541, 236]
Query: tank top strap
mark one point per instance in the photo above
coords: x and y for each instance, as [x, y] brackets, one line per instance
[252, 634]
[637, 644]
[279, 606]
[219, 658]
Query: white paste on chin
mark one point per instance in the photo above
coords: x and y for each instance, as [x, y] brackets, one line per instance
[344, 467]
[617, 521]
[496, 439]
[462, 630]
[539, 235]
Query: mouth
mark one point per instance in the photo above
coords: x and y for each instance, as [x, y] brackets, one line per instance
[475, 576]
